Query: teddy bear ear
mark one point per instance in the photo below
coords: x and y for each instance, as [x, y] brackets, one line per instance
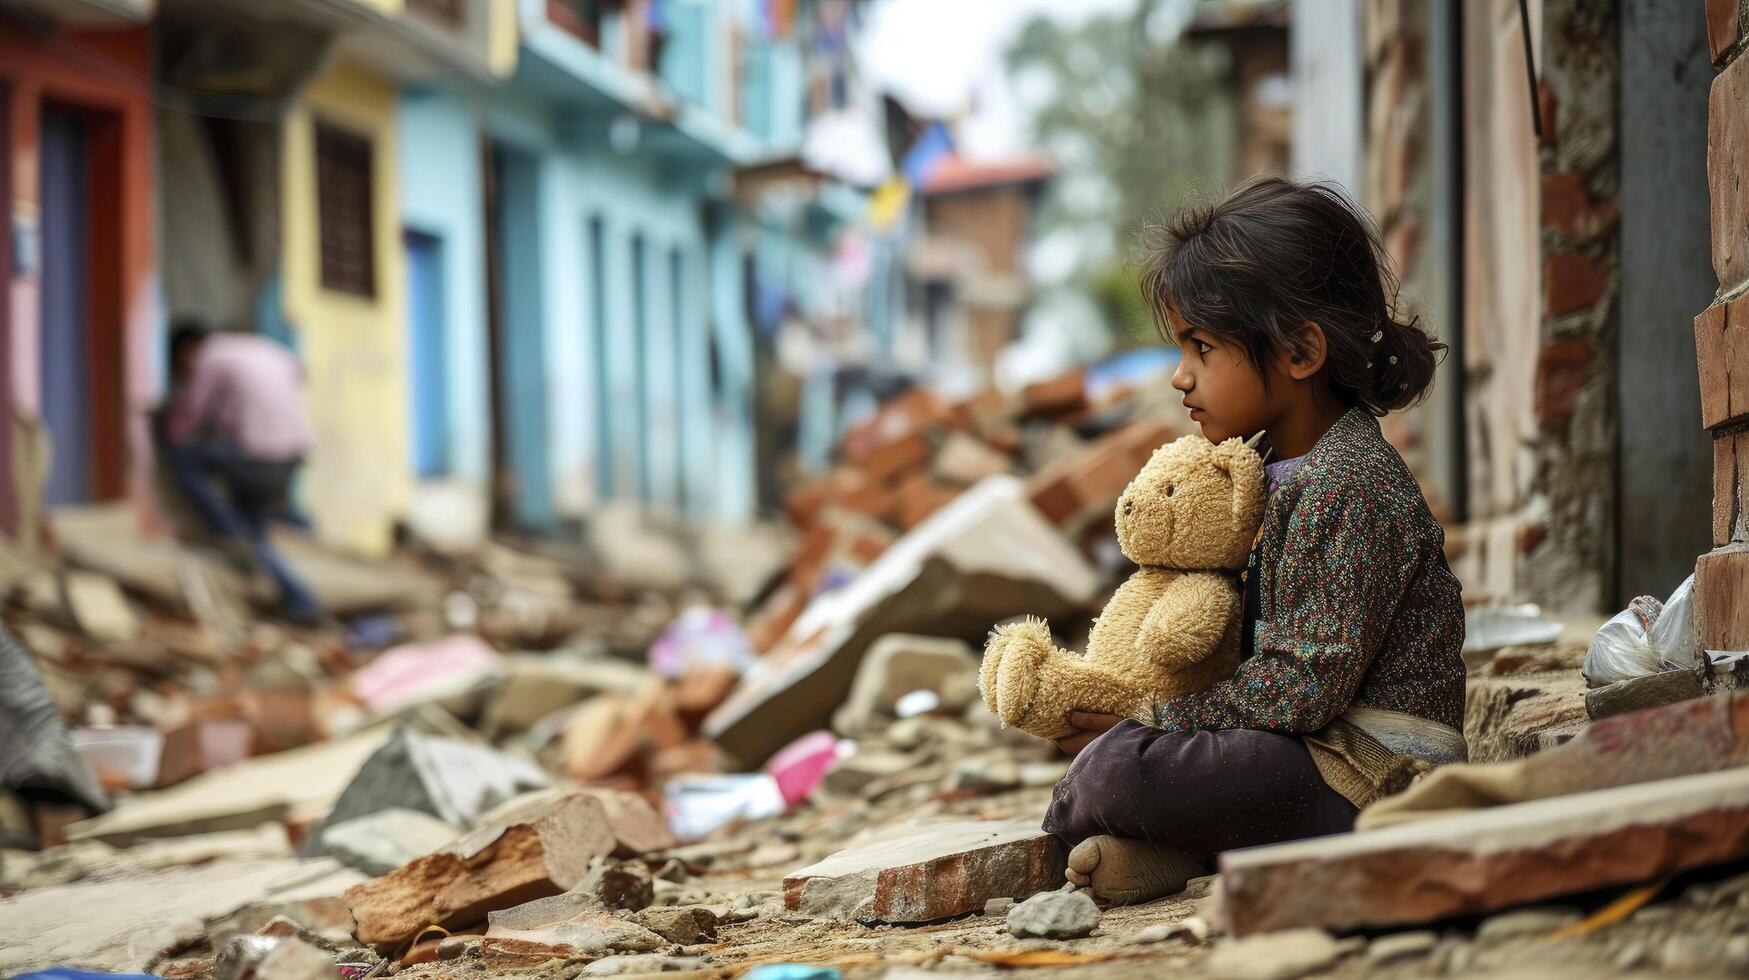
[1245, 468]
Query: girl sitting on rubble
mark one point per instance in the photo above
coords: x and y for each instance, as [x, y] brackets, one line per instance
[1284, 306]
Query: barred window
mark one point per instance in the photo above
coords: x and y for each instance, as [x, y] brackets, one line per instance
[343, 192]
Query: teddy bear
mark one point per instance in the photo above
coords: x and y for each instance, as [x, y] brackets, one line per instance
[1188, 520]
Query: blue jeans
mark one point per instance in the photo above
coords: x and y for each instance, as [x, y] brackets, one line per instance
[237, 496]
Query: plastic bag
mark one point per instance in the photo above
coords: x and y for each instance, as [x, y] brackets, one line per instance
[1645, 638]
[1672, 632]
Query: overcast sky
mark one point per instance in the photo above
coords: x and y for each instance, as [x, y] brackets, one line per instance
[945, 58]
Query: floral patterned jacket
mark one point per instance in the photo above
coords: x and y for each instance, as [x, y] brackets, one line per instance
[1354, 606]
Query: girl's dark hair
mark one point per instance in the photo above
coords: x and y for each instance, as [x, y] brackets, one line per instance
[1274, 255]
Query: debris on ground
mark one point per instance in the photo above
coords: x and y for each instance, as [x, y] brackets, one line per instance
[660, 748]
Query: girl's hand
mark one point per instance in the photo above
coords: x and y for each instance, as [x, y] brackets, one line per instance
[1088, 726]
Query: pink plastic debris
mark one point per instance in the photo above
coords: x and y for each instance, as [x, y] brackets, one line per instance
[408, 674]
[799, 766]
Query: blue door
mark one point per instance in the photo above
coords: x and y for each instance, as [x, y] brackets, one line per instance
[66, 340]
[427, 354]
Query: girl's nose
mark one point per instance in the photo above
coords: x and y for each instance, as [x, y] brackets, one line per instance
[1181, 378]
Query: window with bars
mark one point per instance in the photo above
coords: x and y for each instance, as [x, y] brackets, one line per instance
[449, 13]
[343, 202]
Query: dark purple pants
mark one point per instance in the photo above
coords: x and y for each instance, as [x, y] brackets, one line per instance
[1198, 792]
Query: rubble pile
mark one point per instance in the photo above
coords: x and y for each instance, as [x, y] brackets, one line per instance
[518, 758]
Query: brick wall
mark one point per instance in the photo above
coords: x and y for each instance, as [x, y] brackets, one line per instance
[1722, 338]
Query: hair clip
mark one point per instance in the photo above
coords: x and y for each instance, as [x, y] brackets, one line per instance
[1378, 336]
[1403, 387]
[1369, 365]
[1393, 358]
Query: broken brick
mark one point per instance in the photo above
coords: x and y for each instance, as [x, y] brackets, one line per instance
[930, 873]
[890, 461]
[1092, 480]
[1056, 396]
[527, 850]
[197, 746]
[1484, 860]
[919, 497]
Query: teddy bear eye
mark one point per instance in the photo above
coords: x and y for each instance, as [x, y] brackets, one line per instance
[1170, 489]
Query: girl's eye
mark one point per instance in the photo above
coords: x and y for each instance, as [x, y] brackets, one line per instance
[1201, 348]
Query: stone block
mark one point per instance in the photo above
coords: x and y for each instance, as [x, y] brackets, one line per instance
[1721, 599]
[1727, 160]
[1695, 736]
[527, 850]
[1730, 487]
[1572, 283]
[1563, 368]
[573, 921]
[898, 664]
[930, 873]
[380, 842]
[1490, 859]
[1642, 693]
[1721, 348]
[1722, 26]
[686, 924]
[1054, 915]
[451, 780]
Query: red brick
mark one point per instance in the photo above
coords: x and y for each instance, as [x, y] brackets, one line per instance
[895, 459]
[192, 749]
[1721, 348]
[1094, 478]
[1730, 486]
[1549, 108]
[872, 500]
[919, 497]
[1727, 160]
[1568, 207]
[1571, 283]
[1562, 370]
[1722, 27]
[1721, 599]
[899, 418]
[984, 412]
[1058, 396]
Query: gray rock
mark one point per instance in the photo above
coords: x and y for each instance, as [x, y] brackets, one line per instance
[1401, 946]
[1274, 956]
[613, 966]
[998, 906]
[1631, 957]
[1653, 915]
[1526, 922]
[686, 925]
[1054, 915]
[1691, 954]
[1642, 693]
[380, 842]
[1194, 929]
[619, 885]
[452, 780]
[293, 959]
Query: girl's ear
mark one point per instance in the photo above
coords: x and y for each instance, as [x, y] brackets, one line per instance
[1313, 348]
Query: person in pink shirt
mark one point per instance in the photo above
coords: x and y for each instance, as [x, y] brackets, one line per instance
[236, 433]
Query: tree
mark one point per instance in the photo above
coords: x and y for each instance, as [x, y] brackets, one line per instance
[1138, 118]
